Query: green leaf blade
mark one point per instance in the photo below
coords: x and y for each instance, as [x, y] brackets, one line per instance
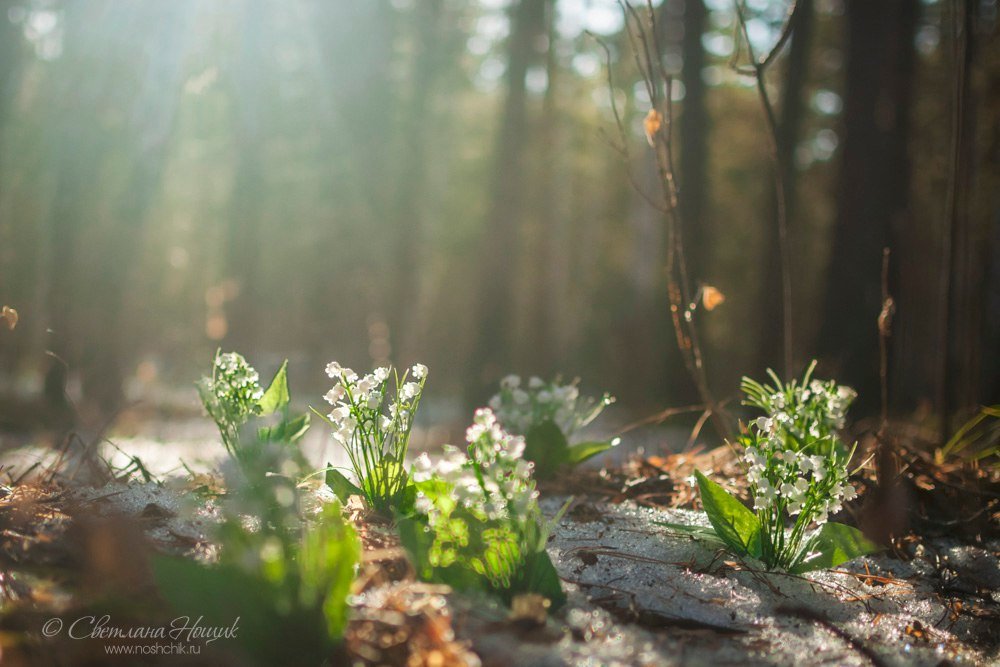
[342, 487]
[833, 545]
[276, 396]
[584, 451]
[735, 525]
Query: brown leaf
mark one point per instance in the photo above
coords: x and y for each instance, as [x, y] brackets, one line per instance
[711, 297]
[652, 124]
[9, 315]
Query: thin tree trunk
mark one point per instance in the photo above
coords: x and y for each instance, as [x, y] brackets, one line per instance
[789, 127]
[541, 352]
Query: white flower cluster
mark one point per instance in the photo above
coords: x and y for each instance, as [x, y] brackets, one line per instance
[357, 404]
[519, 406]
[236, 384]
[814, 486]
[814, 411]
[492, 481]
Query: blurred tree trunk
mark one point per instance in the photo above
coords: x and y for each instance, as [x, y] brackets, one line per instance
[76, 155]
[361, 110]
[789, 128]
[987, 76]
[251, 79]
[411, 204]
[149, 136]
[966, 328]
[539, 349]
[652, 355]
[873, 192]
[693, 141]
[492, 347]
[12, 59]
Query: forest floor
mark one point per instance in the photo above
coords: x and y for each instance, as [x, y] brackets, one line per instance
[638, 594]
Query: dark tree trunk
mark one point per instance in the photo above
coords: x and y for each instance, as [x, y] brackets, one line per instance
[693, 142]
[149, 138]
[968, 244]
[11, 61]
[789, 127]
[492, 349]
[874, 185]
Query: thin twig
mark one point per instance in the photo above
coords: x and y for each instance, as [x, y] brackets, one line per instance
[696, 431]
[622, 147]
[662, 416]
[884, 331]
[678, 287]
[758, 71]
[639, 44]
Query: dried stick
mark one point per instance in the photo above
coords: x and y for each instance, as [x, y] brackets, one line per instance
[884, 331]
[645, 49]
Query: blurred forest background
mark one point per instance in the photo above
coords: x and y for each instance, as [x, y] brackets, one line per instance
[434, 180]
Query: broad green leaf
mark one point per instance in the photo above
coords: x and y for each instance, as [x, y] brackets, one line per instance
[834, 544]
[546, 446]
[580, 452]
[276, 396]
[342, 487]
[735, 525]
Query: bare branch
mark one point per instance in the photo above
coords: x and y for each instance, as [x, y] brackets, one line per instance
[622, 147]
[759, 68]
[650, 68]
